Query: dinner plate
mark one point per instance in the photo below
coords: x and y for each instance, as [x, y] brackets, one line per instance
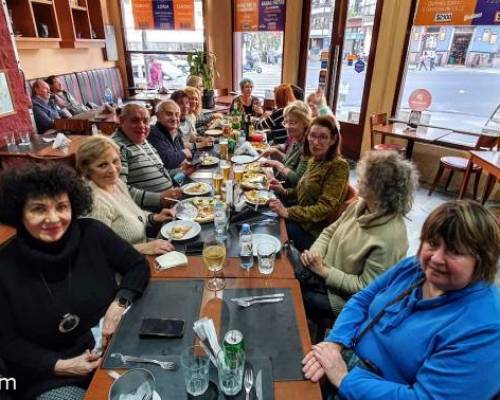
[258, 238]
[196, 189]
[209, 161]
[187, 210]
[264, 193]
[260, 147]
[194, 229]
[243, 159]
[254, 180]
[213, 132]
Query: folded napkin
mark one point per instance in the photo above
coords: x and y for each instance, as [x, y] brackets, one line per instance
[171, 260]
[60, 141]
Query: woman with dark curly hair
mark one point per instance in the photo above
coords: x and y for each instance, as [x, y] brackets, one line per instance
[57, 280]
[368, 238]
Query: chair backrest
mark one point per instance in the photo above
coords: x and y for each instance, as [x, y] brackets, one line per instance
[74, 126]
[486, 142]
[350, 197]
[221, 92]
[107, 128]
[376, 119]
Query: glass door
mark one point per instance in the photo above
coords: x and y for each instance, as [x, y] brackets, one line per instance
[340, 52]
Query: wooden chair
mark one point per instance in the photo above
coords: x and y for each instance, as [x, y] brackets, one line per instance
[107, 128]
[73, 126]
[381, 119]
[221, 92]
[459, 164]
[350, 197]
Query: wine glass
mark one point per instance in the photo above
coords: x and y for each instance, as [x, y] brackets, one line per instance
[214, 256]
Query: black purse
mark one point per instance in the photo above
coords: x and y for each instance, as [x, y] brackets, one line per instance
[304, 275]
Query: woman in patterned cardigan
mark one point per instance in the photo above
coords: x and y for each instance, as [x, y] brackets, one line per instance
[321, 189]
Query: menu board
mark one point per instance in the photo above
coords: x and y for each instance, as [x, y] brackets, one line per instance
[259, 15]
[458, 12]
[163, 14]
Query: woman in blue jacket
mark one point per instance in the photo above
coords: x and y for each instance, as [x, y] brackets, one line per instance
[428, 328]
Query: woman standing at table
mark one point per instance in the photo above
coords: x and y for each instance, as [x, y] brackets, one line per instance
[293, 162]
[321, 189]
[429, 327]
[57, 279]
[98, 160]
[245, 103]
[368, 238]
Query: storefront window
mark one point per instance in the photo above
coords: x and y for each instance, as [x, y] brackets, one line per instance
[461, 70]
[158, 57]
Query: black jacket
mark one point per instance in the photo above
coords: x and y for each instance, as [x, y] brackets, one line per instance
[30, 341]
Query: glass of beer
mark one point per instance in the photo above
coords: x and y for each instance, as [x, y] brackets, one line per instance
[238, 171]
[224, 153]
[217, 179]
[225, 166]
[214, 256]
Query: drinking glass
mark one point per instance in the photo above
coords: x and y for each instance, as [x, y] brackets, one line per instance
[221, 221]
[238, 171]
[225, 168]
[217, 179]
[230, 368]
[214, 256]
[195, 364]
[25, 139]
[10, 140]
[224, 151]
[266, 253]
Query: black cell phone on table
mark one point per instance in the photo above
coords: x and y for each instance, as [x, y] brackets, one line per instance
[157, 327]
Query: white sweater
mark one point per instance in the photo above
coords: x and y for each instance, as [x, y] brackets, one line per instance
[118, 210]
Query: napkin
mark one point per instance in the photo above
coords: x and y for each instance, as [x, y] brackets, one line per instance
[205, 330]
[246, 148]
[60, 141]
[171, 260]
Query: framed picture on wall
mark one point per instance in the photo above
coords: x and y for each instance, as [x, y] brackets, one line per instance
[6, 103]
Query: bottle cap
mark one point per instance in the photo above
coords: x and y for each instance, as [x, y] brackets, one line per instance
[245, 228]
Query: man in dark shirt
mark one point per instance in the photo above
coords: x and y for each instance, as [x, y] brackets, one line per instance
[45, 110]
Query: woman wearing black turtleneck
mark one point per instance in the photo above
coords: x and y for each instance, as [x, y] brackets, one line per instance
[57, 279]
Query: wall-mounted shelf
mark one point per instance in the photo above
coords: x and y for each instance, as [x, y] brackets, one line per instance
[37, 43]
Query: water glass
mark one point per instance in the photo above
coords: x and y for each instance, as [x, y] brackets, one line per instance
[230, 368]
[10, 140]
[25, 139]
[195, 364]
[221, 221]
[266, 253]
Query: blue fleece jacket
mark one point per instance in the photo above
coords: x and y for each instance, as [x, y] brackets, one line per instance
[442, 348]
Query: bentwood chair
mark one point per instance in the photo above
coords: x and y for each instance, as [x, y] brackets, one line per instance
[73, 126]
[460, 164]
[381, 119]
[350, 197]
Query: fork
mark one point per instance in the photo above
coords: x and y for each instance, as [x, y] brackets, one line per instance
[246, 304]
[167, 365]
[248, 382]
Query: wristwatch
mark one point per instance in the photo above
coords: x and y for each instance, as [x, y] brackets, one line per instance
[123, 302]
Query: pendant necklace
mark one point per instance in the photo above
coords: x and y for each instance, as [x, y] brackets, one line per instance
[69, 321]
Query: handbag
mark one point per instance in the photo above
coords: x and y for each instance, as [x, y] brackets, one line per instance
[304, 275]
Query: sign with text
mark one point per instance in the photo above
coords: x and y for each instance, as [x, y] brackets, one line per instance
[163, 14]
[458, 12]
[259, 15]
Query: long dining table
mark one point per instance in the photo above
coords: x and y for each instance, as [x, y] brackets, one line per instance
[214, 304]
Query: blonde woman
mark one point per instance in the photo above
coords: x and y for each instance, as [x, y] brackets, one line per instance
[291, 164]
[195, 81]
[198, 119]
[98, 160]
[317, 103]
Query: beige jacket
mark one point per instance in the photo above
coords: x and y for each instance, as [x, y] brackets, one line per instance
[357, 248]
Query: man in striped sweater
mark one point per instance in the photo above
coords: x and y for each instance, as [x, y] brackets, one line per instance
[149, 182]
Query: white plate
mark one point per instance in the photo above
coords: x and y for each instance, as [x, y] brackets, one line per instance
[187, 211]
[243, 159]
[212, 161]
[194, 231]
[264, 237]
[213, 132]
[266, 193]
[188, 189]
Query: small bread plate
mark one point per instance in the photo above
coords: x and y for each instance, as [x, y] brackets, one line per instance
[243, 159]
[196, 189]
[209, 161]
[213, 132]
[258, 238]
[180, 230]
[258, 197]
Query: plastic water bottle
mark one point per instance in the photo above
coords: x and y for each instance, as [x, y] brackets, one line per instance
[246, 253]
[108, 95]
[220, 221]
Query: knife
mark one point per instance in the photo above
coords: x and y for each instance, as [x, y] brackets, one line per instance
[258, 386]
[263, 296]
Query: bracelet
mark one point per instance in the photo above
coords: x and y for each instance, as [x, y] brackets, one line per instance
[151, 219]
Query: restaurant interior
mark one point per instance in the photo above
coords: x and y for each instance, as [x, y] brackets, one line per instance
[259, 199]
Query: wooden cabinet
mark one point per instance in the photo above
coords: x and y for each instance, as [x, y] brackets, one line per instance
[35, 23]
[57, 23]
[81, 23]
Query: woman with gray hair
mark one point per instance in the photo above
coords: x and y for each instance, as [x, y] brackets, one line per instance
[245, 103]
[367, 239]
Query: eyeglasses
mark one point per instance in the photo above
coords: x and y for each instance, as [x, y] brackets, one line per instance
[322, 138]
[291, 124]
